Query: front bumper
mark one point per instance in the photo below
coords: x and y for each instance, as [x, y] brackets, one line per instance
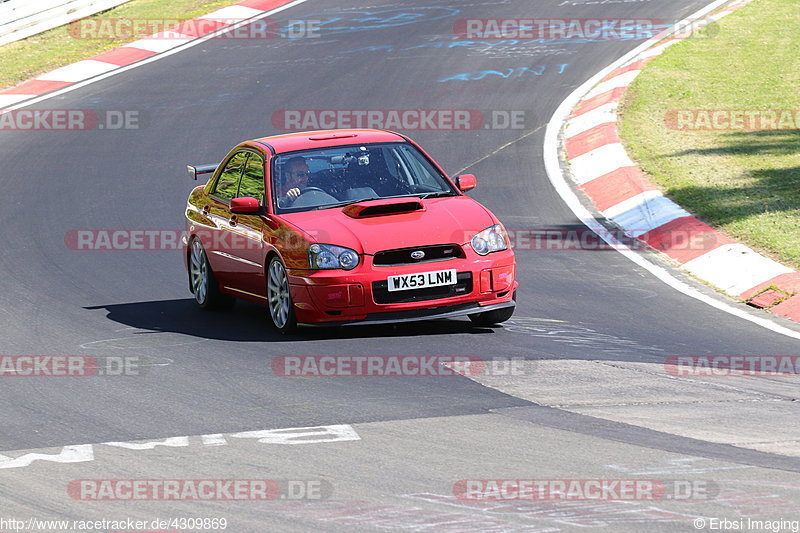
[337, 297]
[414, 315]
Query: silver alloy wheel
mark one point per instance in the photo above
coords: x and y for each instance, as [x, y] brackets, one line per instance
[198, 270]
[278, 296]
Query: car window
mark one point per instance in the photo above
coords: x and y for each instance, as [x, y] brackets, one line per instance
[398, 167]
[252, 182]
[228, 182]
[393, 167]
[350, 173]
[422, 172]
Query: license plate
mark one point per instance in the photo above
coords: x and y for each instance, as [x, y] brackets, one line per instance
[407, 282]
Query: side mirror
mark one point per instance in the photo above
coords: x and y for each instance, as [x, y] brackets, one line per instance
[247, 205]
[465, 182]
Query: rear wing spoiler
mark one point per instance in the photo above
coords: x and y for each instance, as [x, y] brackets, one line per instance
[196, 170]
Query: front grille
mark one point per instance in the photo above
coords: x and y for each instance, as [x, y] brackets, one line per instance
[402, 256]
[381, 294]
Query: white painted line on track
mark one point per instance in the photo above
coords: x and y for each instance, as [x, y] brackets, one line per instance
[82, 453]
[645, 212]
[656, 50]
[159, 43]
[232, 13]
[7, 100]
[68, 454]
[599, 162]
[631, 203]
[78, 71]
[562, 187]
[606, 113]
[623, 80]
[735, 268]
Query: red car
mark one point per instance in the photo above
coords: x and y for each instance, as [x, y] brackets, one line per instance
[345, 227]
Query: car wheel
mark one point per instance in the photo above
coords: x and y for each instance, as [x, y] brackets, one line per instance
[279, 297]
[202, 281]
[493, 317]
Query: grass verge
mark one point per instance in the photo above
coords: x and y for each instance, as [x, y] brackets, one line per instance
[27, 58]
[745, 183]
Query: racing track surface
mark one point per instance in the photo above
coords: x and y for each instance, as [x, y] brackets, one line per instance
[417, 436]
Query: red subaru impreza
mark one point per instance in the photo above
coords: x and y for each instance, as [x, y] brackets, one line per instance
[345, 227]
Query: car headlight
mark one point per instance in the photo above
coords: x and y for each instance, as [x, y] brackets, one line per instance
[492, 239]
[329, 257]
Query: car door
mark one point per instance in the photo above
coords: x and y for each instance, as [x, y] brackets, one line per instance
[247, 231]
[217, 210]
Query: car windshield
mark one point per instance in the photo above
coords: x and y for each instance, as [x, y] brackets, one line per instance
[331, 177]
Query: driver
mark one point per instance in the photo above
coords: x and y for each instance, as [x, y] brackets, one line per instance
[296, 178]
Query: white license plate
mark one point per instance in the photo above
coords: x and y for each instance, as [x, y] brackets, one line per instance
[407, 282]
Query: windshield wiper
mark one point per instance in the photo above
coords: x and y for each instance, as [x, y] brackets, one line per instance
[435, 194]
[424, 195]
[348, 202]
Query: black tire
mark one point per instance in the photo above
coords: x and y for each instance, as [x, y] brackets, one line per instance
[490, 318]
[202, 282]
[279, 298]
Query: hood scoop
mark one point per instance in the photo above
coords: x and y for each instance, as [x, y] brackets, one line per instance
[379, 208]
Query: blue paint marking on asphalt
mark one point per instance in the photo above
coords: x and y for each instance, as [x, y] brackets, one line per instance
[352, 21]
[511, 72]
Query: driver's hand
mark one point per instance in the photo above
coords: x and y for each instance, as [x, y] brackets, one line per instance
[293, 193]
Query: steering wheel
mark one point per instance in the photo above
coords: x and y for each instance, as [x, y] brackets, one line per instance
[309, 189]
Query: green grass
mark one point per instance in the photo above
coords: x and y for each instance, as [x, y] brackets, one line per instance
[745, 183]
[26, 59]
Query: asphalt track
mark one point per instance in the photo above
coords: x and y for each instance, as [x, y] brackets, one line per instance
[211, 372]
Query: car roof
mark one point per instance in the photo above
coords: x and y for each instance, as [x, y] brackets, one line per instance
[289, 142]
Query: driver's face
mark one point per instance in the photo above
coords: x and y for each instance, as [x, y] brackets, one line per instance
[297, 176]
